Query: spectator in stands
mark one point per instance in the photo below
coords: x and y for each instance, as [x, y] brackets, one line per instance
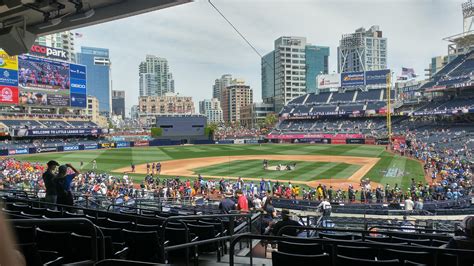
[286, 220]
[325, 208]
[50, 185]
[63, 184]
[409, 204]
[466, 241]
[227, 204]
[242, 202]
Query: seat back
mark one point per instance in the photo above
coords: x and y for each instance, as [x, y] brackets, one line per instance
[114, 233]
[25, 234]
[118, 224]
[357, 252]
[143, 245]
[345, 261]
[81, 247]
[300, 248]
[285, 259]
[54, 241]
[335, 236]
[415, 256]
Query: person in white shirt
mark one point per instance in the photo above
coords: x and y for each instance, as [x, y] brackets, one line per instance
[325, 207]
[257, 202]
[409, 204]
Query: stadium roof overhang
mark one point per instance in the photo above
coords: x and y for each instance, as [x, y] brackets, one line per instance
[21, 21]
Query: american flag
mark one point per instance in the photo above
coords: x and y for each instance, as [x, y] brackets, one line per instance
[78, 35]
[408, 72]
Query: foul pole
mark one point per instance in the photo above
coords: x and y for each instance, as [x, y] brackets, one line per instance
[389, 107]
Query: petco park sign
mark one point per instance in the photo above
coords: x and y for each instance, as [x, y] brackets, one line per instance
[49, 52]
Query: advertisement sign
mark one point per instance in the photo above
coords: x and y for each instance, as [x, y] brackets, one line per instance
[48, 52]
[8, 62]
[350, 79]
[8, 94]
[56, 132]
[46, 149]
[17, 151]
[71, 148]
[141, 143]
[376, 77]
[8, 77]
[328, 81]
[78, 100]
[77, 71]
[90, 146]
[123, 144]
[107, 145]
[58, 100]
[316, 136]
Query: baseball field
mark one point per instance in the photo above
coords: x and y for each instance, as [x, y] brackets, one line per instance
[336, 165]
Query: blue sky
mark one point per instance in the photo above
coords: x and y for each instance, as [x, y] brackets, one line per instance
[200, 46]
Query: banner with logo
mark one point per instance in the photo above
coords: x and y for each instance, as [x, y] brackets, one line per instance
[46, 149]
[328, 81]
[107, 145]
[352, 79]
[8, 62]
[18, 151]
[123, 144]
[90, 146]
[49, 52]
[8, 94]
[78, 86]
[141, 143]
[56, 132]
[71, 148]
[376, 77]
[8, 77]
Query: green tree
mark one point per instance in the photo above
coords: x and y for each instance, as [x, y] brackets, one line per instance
[270, 120]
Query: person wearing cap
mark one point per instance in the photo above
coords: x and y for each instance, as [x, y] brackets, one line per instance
[63, 184]
[227, 204]
[48, 177]
[285, 221]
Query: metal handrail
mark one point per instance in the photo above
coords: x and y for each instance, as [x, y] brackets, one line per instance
[334, 243]
[91, 227]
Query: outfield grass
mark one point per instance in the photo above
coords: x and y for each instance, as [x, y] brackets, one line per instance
[112, 159]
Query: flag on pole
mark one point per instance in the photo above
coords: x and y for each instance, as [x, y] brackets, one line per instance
[78, 35]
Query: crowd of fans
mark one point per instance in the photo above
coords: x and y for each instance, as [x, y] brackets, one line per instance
[236, 132]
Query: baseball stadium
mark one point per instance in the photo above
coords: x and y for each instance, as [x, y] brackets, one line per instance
[356, 167]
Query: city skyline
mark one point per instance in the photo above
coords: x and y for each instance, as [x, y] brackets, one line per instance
[201, 46]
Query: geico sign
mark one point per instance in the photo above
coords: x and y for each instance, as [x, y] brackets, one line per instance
[49, 52]
[79, 86]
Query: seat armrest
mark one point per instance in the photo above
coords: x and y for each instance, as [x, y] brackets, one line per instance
[57, 261]
[121, 254]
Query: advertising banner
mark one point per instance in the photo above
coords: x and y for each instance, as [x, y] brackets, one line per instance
[8, 77]
[49, 52]
[71, 148]
[18, 151]
[251, 141]
[58, 100]
[351, 79]
[77, 71]
[141, 143]
[107, 145]
[8, 62]
[355, 141]
[338, 141]
[90, 146]
[123, 144]
[56, 132]
[78, 100]
[8, 94]
[46, 149]
[328, 81]
[78, 86]
[376, 77]
[317, 136]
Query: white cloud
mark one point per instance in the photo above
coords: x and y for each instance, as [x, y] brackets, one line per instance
[200, 46]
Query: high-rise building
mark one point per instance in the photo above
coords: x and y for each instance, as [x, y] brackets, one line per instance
[290, 70]
[212, 110]
[92, 112]
[155, 78]
[233, 99]
[97, 62]
[362, 50]
[118, 103]
[61, 40]
[220, 84]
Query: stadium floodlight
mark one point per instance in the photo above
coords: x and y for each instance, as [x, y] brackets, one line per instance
[50, 23]
[83, 15]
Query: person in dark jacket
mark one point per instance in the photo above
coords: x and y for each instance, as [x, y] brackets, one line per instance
[48, 177]
[63, 184]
